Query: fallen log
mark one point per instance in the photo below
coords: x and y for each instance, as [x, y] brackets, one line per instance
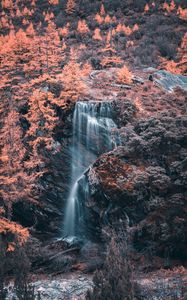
[63, 252]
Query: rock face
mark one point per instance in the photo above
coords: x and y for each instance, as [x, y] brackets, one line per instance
[71, 288]
[67, 289]
[143, 182]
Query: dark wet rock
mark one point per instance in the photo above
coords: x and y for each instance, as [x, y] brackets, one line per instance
[143, 182]
[73, 287]
[124, 112]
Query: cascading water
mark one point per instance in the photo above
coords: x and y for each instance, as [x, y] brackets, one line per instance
[94, 132]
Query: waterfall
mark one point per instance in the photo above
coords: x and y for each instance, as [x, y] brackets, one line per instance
[94, 133]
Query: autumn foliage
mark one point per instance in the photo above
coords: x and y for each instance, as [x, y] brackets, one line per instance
[82, 27]
[70, 6]
[18, 233]
[124, 76]
[74, 87]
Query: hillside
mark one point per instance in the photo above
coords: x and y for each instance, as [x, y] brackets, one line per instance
[93, 104]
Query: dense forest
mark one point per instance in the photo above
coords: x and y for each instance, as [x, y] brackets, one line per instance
[93, 170]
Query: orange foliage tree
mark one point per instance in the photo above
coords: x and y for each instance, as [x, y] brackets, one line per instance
[8, 4]
[102, 10]
[54, 2]
[182, 13]
[16, 231]
[70, 6]
[97, 35]
[16, 184]
[179, 66]
[82, 27]
[42, 119]
[124, 76]
[99, 19]
[74, 87]
[169, 7]
[146, 8]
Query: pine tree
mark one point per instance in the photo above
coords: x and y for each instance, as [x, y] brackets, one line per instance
[97, 35]
[102, 10]
[146, 8]
[74, 87]
[70, 6]
[82, 27]
[124, 76]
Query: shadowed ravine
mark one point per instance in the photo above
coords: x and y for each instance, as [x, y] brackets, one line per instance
[94, 133]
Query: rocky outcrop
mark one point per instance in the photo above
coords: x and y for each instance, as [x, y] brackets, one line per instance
[73, 287]
[143, 182]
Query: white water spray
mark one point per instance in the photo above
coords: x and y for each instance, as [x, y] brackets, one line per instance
[94, 132]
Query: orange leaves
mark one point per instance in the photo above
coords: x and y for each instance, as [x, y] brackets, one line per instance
[178, 66]
[99, 19]
[74, 87]
[70, 7]
[109, 47]
[182, 13]
[64, 31]
[48, 16]
[21, 38]
[170, 66]
[97, 35]
[41, 116]
[82, 27]
[21, 234]
[126, 29]
[102, 10]
[108, 19]
[146, 8]
[135, 27]
[30, 30]
[27, 12]
[124, 76]
[54, 2]
[110, 61]
[7, 4]
[169, 7]
[86, 69]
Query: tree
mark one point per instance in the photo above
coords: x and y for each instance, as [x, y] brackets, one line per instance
[64, 31]
[16, 184]
[169, 7]
[124, 76]
[82, 27]
[7, 4]
[74, 87]
[108, 19]
[114, 281]
[30, 30]
[135, 27]
[182, 13]
[97, 35]
[146, 8]
[123, 28]
[102, 10]
[70, 6]
[42, 119]
[99, 19]
[54, 2]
